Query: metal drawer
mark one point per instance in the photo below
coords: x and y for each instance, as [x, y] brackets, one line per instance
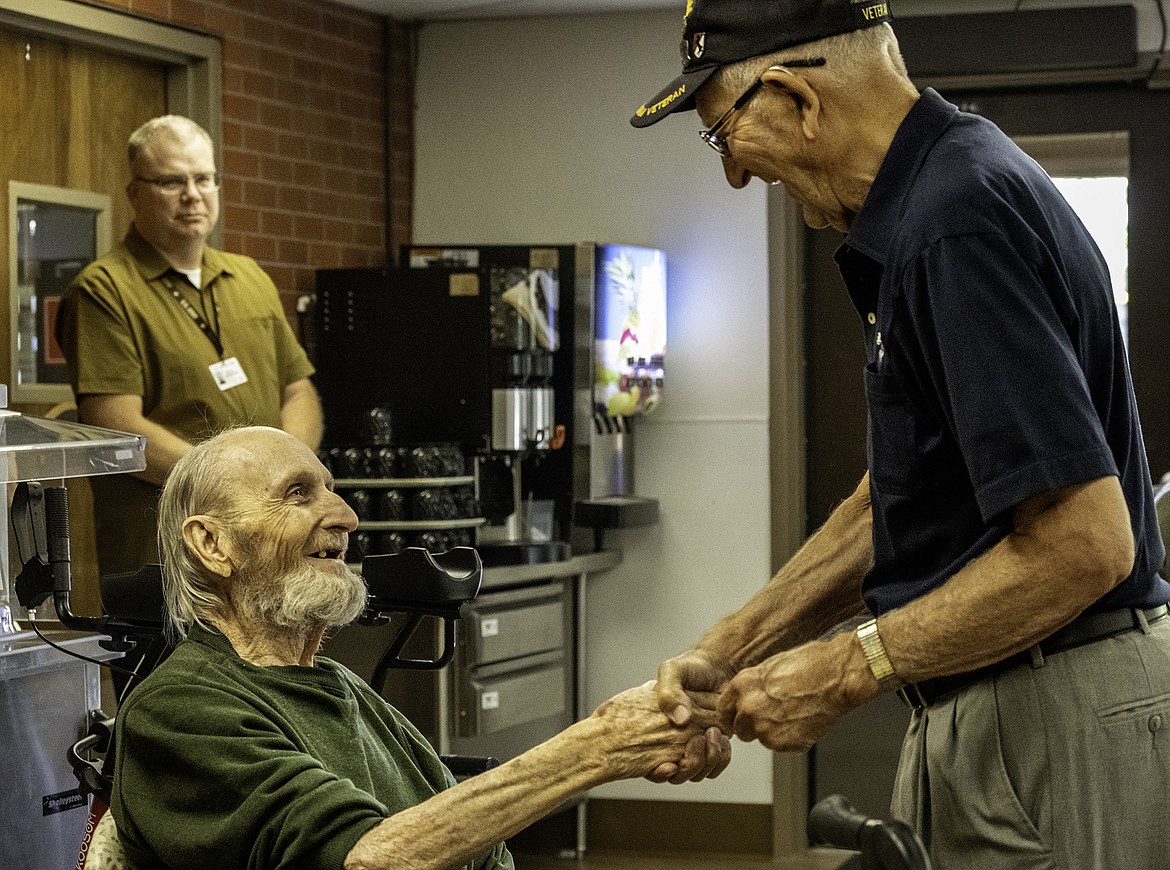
[500, 627]
[493, 702]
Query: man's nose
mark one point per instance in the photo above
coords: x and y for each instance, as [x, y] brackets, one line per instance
[737, 176]
[190, 191]
[341, 515]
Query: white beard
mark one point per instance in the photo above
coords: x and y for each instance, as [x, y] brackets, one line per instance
[299, 598]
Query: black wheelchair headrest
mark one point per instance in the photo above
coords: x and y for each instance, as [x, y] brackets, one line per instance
[135, 597]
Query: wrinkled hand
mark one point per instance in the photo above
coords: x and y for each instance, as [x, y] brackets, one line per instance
[688, 687]
[643, 739]
[789, 700]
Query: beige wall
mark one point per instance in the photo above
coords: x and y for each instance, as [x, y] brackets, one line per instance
[523, 136]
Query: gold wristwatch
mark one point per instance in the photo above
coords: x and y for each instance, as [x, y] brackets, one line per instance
[875, 654]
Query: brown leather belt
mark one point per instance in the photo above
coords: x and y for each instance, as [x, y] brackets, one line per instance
[1086, 628]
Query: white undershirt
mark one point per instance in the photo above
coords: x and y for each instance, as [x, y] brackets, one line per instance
[193, 275]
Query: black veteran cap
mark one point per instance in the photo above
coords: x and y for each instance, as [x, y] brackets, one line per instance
[721, 32]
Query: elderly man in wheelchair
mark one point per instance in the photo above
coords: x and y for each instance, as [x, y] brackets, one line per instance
[245, 748]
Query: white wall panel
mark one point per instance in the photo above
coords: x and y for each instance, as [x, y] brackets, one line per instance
[704, 559]
[522, 135]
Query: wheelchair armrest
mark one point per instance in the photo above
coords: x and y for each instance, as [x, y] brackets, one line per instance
[469, 765]
[418, 581]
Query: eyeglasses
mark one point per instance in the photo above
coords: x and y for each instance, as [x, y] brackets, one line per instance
[713, 136]
[173, 185]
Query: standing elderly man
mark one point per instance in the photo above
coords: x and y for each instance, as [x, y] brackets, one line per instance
[169, 338]
[1004, 536]
[247, 749]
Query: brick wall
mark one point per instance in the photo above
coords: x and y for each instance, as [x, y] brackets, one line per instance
[305, 91]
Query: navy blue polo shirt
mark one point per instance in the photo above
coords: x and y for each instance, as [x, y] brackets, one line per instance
[995, 364]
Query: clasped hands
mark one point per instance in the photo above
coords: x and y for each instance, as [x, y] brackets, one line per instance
[786, 702]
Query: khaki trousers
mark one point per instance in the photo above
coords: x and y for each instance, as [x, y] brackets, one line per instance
[1063, 764]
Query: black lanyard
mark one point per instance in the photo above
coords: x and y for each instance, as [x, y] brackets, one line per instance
[200, 321]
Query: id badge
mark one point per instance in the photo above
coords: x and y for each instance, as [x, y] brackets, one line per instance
[228, 373]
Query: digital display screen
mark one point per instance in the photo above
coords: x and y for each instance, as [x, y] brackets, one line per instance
[630, 330]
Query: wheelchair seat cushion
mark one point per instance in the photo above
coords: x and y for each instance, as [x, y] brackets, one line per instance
[105, 852]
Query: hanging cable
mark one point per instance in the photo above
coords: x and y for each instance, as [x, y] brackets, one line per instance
[78, 655]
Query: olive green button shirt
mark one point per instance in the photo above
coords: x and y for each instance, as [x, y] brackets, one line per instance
[124, 333]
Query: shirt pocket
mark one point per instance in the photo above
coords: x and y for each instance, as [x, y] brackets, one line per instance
[891, 442]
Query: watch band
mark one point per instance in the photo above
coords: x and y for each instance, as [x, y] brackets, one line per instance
[875, 655]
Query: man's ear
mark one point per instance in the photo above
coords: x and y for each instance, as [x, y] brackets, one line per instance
[803, 94]
[208, 541]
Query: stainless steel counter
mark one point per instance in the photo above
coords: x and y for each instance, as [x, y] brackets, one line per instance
[589, 563]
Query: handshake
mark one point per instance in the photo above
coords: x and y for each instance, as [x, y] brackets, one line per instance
[678, 728]
[670, 729]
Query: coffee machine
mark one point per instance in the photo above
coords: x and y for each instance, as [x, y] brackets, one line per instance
[536, 360]
[608, 372]
[453, 355]
[525, 337]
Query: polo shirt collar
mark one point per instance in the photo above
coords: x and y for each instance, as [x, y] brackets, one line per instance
[872, 230]
[152, 265]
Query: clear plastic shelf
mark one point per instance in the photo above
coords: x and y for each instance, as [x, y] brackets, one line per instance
[35, 448]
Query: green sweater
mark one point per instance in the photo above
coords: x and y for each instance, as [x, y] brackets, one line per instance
[224, 764]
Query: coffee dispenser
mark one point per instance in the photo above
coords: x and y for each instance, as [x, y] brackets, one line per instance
[524, 340]
[536, 360]
[609, 371]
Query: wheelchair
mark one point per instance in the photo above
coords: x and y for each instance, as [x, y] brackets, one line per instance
[415, 583]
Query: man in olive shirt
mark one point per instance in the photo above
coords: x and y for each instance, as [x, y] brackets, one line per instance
[168, 338]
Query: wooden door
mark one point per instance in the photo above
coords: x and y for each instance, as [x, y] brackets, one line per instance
[65, 114]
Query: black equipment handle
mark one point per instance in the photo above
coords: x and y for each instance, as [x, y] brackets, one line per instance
[835, 822]
[94, 775]
[881, 845]
[469, 765]
[418, 583]
[40, 525]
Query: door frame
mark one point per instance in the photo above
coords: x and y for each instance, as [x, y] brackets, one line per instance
[194, 64]
[788, 465]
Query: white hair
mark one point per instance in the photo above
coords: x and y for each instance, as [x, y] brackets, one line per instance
[193, 487]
